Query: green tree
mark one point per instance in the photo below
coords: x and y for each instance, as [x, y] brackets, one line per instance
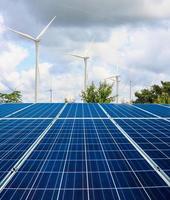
[101, 94]
[13, 97]
[156, 94]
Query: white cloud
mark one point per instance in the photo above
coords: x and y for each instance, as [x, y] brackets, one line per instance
[140, 54]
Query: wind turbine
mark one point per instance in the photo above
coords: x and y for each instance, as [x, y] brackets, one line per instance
[85, 58]
[115, 79]
[36, 40]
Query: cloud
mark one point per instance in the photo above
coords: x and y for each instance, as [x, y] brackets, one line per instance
[129, 37]
[88, 13]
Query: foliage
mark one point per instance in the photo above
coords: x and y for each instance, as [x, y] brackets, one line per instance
[13, 97]
[101, 94]
[156, 94]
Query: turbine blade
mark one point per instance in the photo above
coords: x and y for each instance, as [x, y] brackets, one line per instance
[22, 34]
[89, 47]
[45, 29]
[111, 77]
[77, 56]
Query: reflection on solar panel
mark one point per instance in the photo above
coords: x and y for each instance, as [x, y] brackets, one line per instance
[86, 151]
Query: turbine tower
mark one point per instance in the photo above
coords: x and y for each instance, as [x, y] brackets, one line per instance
[130, 92]
[51, 94]
[85, 58]
[36, 40]
[115, 79]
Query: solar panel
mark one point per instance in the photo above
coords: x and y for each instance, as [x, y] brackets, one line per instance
[156, 109]
[82, 110]
[87, 151]
[7, 109]
[124, 110]
[39, 110]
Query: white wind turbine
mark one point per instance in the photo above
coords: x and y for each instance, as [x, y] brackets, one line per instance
[115, 79]
[36, 40]
[85, 58]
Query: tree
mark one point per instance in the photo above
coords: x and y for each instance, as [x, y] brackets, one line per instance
[101, 94]
[156, 94]
[13, 97]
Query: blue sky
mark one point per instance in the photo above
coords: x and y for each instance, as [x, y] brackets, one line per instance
[129, 37]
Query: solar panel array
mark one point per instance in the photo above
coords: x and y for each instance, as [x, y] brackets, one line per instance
[84, 151]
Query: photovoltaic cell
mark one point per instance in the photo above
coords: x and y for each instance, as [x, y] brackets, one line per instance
[85, 159]
[6, 109]
[124, 110]
[82, 110]
[39, 110]
[159, 110]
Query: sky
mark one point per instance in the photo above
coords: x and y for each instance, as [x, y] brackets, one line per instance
[126, 37]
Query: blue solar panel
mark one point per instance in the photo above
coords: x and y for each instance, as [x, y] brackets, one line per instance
[84, 154]
[156, 109]
[82, 110]
[124, 110]
[6, 109]
[81, 159]
[39, 110]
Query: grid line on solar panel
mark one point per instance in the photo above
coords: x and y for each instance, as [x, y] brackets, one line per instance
[86, 162]
[155, 109]
[26, 154]
[48, 171]
[39, 110]
[8, 109]
[124, 110]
